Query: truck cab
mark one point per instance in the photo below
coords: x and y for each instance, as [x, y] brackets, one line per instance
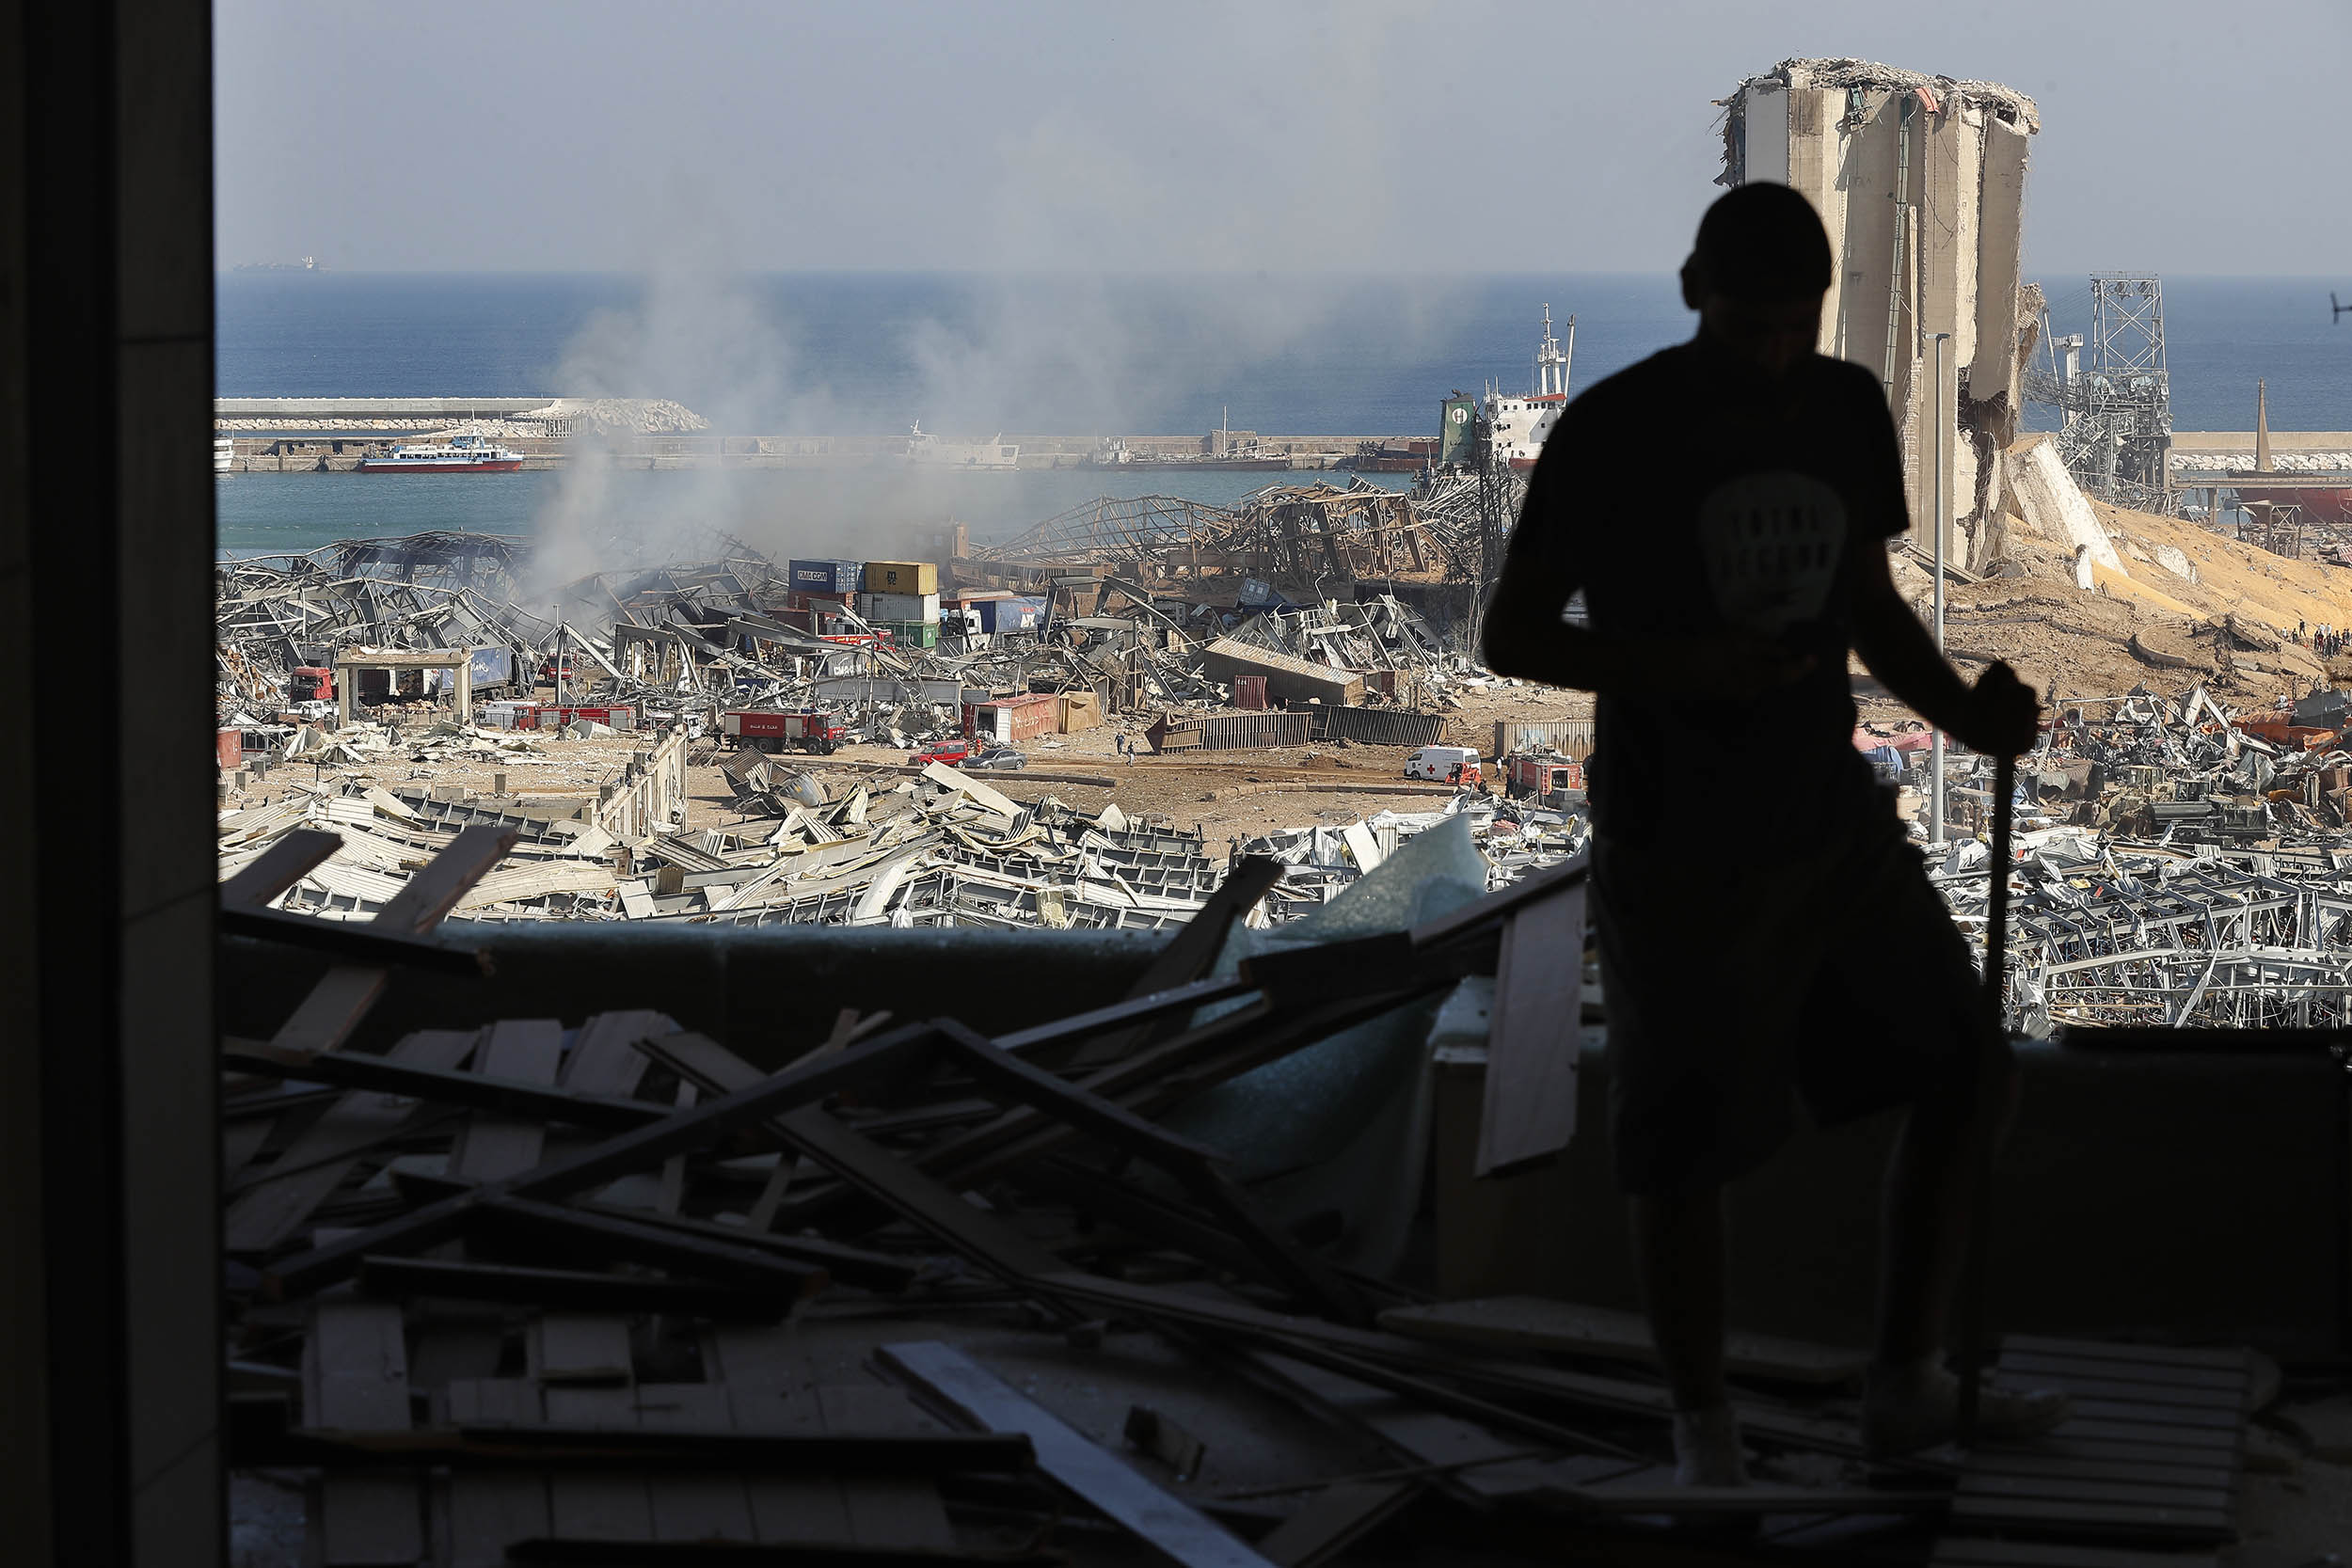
[310, 684]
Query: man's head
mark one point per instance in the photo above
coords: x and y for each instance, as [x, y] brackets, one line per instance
[1756, 275]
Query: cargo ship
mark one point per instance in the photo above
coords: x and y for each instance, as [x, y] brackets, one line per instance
[465, 454]
[929, 452]
[1521, 423]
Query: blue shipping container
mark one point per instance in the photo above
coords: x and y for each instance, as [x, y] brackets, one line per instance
[1017, 614]
[826, 576]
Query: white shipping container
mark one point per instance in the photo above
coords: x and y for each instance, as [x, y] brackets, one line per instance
[899, 607]
[501, 715]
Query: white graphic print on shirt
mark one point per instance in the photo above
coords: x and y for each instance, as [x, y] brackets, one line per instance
[1770, 542]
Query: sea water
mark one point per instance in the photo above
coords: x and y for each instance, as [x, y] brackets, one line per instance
[871, 354]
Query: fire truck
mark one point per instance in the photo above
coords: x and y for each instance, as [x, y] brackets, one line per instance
[1540, 775]
[768, 729]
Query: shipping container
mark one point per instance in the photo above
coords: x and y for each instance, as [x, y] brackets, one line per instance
[1009, 721]
[902, 577]
[911, 634]
[899, 607]
[507, 716]
[1012, 613]
[825, 577]
[1250, 693]
[228, 749]
[619, 716]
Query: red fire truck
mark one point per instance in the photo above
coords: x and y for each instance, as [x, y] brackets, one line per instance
[1540, 775]
[768, 729]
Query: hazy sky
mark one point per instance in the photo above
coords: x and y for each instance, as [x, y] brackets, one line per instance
[1489, 135]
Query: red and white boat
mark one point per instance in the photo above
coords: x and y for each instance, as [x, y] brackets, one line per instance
[1521, 423]
[466, 454]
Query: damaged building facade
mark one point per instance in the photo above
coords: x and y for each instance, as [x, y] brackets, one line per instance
[1920, 181]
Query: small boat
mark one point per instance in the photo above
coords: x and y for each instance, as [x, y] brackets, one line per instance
[928, 451]
[224, 454]
[465, 454]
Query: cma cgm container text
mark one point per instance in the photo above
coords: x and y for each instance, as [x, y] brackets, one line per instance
[825, 577]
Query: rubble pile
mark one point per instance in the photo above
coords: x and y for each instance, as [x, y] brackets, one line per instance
[1132, 1270]
[2179, 864]
[722, 654]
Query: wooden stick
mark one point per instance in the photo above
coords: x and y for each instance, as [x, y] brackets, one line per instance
[1992, 1062]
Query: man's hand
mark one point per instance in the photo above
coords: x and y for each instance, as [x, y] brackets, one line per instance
[2003, 719]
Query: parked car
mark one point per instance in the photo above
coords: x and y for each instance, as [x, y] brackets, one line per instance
[998, 756]
[953, 752]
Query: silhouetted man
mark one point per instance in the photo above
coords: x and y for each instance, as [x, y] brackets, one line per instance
[1767, 933]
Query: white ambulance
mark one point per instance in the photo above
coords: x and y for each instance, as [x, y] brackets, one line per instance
[1444, 765]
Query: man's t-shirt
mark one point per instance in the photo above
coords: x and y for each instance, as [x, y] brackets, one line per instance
[1690, 497]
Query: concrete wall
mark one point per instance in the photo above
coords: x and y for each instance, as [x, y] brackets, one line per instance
[110, 1347]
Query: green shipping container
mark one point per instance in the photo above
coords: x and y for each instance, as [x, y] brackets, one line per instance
[912, 634]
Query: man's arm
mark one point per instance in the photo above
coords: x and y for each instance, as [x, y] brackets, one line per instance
[1998, 716]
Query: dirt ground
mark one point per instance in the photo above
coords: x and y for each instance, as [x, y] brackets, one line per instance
[1200, 793]
[1333, 784]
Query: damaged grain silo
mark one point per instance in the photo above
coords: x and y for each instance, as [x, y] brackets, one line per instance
[1920, 181]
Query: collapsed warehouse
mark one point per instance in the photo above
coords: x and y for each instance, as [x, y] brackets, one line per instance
[1189, 626]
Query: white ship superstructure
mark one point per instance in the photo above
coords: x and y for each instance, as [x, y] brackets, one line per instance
[1521, 423]
[932, 452]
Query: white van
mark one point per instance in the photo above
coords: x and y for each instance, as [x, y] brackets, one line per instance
[1440, 763]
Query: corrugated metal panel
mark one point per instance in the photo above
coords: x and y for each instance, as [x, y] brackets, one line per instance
[1379, 726]
[1570, 737]
[1239, 732]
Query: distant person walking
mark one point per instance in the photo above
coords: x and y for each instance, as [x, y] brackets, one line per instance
[1774, 483]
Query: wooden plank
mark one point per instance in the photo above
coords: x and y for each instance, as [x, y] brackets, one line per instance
[2198, 1525]
[1383, 1354]
[1334, 1519]
[1185, 958]
[488, 1147]
[355, 1378]
[273, 1208]
[766, 1376]
[2171, 1418]
[2025, 1364]
[277, 868]
[1954, 1551]
[2073, 1488]
[569, 1290]
[325, 1018]
[1529, 1113]
[709, 1507]
[938, 1209]
[2153, 1355]
[578, 1348]
[1755, 1498]
[592, 1505]
[619, 1155]
[1165, 1523]
[489, 1509]
[903, 1513]
[1537, 1322]
[1479, 1465]
[599, 1237]
[2029, 1462]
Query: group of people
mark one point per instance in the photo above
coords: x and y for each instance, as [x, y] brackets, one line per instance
[2325, 639]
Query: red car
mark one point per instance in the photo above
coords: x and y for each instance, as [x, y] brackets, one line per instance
[950, 752]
